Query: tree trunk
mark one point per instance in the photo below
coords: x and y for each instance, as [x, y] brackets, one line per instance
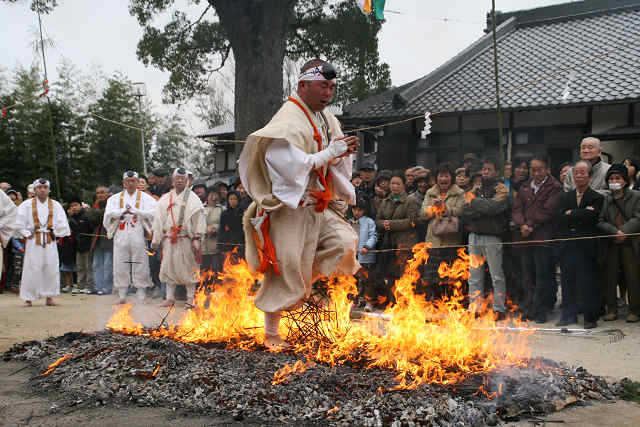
[257, 31]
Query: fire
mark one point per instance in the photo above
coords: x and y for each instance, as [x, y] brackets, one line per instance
[55, 364]
[469, 196]
[436, 211]
[121, 321]
[422, 341]
[287, 370]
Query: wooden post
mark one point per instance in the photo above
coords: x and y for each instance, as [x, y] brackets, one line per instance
[499, 110]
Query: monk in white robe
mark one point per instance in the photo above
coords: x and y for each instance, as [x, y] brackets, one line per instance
[297, 169]
[41, 220]
[179, 224]
[8, 214]
[127, 217]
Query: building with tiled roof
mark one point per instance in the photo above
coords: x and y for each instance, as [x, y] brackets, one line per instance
[596, 43]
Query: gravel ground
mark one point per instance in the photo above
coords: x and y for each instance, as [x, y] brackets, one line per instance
[89, 313]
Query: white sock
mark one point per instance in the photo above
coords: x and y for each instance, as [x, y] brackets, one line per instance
[171, 292]
[142, 293]
[122, 293]
[272, 323]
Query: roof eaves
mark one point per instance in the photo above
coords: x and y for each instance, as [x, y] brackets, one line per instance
[563, 11]
[460, 60]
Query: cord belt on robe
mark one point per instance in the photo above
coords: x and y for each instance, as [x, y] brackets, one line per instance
[322, 198]
[135, 217]
[174, 234]
[40, 240]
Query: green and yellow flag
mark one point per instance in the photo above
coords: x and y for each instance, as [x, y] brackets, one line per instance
[377, 6]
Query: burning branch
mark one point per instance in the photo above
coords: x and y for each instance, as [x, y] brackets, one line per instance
[287, 370]
[55, 364]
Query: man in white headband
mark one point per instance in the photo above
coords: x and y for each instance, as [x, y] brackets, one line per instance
[127, 218]
[41, 220]
[297, 169]
[179, 226]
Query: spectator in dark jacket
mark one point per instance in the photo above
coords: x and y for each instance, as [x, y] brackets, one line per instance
[101, 246]
[620, 216]
[231, 234]
[578, 213]
[533, 215]
[485, 217]
[67, 256]
[82, 233]
[366, 189]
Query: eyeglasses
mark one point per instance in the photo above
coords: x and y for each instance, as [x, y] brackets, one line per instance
[327, 71]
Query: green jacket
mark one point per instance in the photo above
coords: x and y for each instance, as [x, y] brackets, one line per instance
[488, 212]
[402, 214]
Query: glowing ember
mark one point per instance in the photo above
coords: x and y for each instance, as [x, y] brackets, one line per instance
[55, 364]
[423, 341]
[287, 370]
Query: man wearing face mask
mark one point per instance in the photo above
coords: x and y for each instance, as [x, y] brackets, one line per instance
[590, 150]
[619, 217]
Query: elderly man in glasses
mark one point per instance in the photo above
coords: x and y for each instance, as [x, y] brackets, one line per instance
[179, 225]
[297, 169]
[41, 220]
[127, 218]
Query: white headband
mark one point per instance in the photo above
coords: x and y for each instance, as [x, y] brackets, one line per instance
[37, 182]
[177, 173]
[313, 74]
[126, 175]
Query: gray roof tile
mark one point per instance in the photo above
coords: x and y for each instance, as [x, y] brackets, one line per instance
[526, 53]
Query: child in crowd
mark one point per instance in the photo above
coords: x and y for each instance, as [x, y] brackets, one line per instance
[365, 227]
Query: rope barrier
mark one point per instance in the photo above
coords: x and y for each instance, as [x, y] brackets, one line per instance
[516, 243]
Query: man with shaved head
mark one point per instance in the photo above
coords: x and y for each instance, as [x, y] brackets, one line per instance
[590, 150]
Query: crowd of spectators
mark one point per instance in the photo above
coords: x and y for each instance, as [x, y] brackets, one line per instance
[534, 230]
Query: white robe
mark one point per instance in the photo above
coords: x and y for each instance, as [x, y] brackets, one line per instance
[290, 172]
[40, 270]
[8, 214]
[130, 260]
[179, 265]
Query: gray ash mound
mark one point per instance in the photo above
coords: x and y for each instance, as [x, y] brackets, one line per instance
[113, 369]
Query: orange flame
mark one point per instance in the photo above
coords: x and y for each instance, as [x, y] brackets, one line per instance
[287, 370]
[55, 364]
[469, 196]
[423, 341]
[436, 211]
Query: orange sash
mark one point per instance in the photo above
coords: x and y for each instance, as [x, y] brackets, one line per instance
[322, 197]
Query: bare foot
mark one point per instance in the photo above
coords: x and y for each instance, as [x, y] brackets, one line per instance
[168, 303]
[27, 304]
[50, 302]
[275, 343]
